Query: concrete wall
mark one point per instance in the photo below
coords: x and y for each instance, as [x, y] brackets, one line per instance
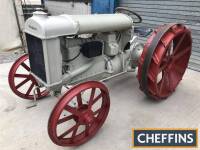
[59, 7]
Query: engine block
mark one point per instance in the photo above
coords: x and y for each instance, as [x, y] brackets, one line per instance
[68, 49]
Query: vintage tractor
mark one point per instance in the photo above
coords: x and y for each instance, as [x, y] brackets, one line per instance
[84, 50]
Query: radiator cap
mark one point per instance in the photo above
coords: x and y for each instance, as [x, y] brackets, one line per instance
[40, 14]
[46, 27]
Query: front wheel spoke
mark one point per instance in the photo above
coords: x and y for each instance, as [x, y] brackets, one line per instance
[79, 100]
[25, 66]
[74, 132]
[181, 54]
[38, 92]
[72, 110]
[30, 88]
[91, 97]
[97, 111]
[68, 131]
[65, 119]
[21, 75]
[87, 128]
[96, 99]
[22, 83]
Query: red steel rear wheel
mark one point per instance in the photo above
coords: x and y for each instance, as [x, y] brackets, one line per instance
[79, 114]
[164, 60]
[22, 82]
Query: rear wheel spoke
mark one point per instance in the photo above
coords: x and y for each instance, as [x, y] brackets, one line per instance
[167, 80]
[162, 83]
[163, 66]
[179, 44]
[169, 51]
[181, 54]
[179, 69]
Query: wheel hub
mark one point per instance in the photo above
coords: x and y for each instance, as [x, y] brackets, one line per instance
[86, 116]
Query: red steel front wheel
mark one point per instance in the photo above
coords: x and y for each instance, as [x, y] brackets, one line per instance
[79, 114]
[22, 82]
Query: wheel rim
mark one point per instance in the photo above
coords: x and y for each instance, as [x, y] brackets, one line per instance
[22, 82]
[82, 116]
[168, 63]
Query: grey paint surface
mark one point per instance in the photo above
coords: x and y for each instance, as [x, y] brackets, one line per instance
[26, 129]
[157, 12]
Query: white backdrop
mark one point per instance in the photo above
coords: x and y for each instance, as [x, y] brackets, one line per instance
[32, 1]
[9, 35]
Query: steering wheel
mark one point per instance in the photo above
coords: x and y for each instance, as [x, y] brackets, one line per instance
[125, 10]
